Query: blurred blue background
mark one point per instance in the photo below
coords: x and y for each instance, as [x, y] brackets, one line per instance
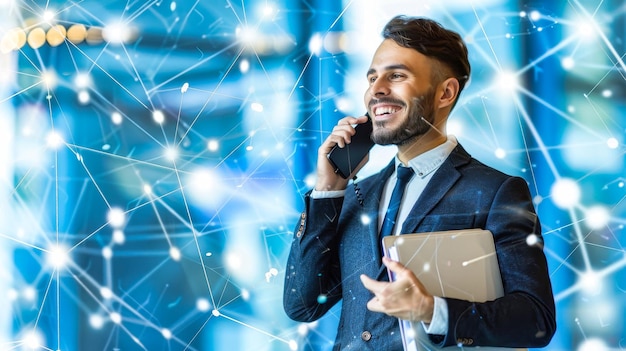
[154, 156]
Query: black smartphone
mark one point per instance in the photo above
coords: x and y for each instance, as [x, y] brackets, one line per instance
[346, 159]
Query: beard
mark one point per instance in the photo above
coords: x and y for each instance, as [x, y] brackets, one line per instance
[419, 120]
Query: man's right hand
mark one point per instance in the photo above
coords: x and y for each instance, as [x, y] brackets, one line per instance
[327, 179]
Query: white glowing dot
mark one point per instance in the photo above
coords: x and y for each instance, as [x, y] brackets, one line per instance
[293, 345]
[203, 305]
[82, 80]
[591, 283]
[233, 261]
[213, 145]
[500, 153]
[147, 189]
[54, 140]
[173, 6]
[249, 148]
[303, 329]
[247, 35]
[106, 293]
[585, 30]
[175, 253]
[184, 88]
[607, 93]
[208, 254]
[29, 293]
[426, 267]
[116, 118]
[57, 256]
[507, 81]
[107, 252]
[565, 193]
[455, 127]
[118, 236]
[244, 66]
[274, 271]
[117, 33]
[158, 116]
[245, 294]
[532, 240]
[257, 107]
[171, 153]
[280, 146]
[612, 143]
[568, 63]
[48, 15]
[592, 344]
[597, 217]
[84, 97]
[96, 321]
[216, 313]
[167, 334]
[522, 14]
[33, 340]
[315, 44]
[116, 317]
[12, 294]
[535, 15]
[537, 199]
[365, 219]
[116, 217]
[268, 10]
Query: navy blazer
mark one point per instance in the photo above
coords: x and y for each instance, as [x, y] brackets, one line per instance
[337, 240]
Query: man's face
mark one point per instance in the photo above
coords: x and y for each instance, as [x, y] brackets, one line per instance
[400, 97]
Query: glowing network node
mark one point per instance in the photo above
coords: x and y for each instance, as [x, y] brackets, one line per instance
[256, 107]
[591, 283]
[612, 143]
[84, 97]
[54, 140]
[303, 329]
[568, 63]
[29, 293]
[593, 344]
[50, 79]
[366, 219]
[147, 189]
[607, 93]
[244, 66]
[116, 118]
[106, 293]
[565, 193]
[245, 294]
[33, 339]
[158, 116]
[293, 345]
[184, 88]
[175, 253]
[119, 237]
[535, 15]
[171, 153]
[532, 240]
[107, 253]
[322, 298]
[167, 334]
[96, 321]
[215, 313]
[500, 153]
[316, 43]
[202, 304]
[213, 145]
[507, 81]
[597, 217]
[115, 317]
[118, 33]
[57, 256]
[116, 217]
[48, 16]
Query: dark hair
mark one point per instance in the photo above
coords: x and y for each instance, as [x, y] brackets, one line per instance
[433, 40]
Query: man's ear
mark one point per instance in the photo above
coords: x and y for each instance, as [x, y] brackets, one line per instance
[449, 91]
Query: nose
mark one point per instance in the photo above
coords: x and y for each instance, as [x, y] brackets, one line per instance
[379, 87]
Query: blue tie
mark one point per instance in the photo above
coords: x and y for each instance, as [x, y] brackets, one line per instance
[404, 174]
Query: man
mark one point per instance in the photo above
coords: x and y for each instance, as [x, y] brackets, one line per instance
[415, 78]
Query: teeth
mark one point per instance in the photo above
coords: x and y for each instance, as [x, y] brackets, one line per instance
[386, 110]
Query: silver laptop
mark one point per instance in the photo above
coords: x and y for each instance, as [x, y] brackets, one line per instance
[459, 264]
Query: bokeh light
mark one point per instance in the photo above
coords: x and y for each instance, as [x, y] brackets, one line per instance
[156, 157]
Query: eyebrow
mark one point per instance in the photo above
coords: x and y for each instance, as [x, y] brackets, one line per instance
[390, 68]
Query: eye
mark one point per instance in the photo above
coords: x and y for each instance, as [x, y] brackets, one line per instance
[396, 76]
[371, 79]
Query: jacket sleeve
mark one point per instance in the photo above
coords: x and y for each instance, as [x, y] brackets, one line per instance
[525, 315]
[312, 277]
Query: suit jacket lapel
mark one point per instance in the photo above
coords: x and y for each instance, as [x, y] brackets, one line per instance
[373, 195]
[439, 185]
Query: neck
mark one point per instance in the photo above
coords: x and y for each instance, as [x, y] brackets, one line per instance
[421, 144]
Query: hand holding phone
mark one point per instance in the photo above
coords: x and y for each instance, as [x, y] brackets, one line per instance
[346, 159]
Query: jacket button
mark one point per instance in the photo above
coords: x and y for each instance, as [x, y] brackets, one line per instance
[366, 336]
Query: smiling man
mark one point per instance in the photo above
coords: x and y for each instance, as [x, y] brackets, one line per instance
[415, 78]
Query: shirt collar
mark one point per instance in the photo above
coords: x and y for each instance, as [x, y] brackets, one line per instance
[429, 161]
